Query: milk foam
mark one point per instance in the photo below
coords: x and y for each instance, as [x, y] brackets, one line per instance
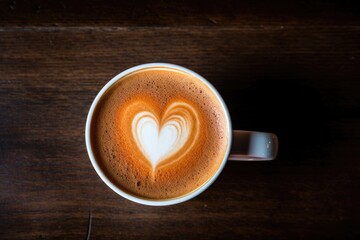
[160, 142]
[159, 133]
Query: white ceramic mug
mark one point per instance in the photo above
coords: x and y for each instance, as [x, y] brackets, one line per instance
[243, 145]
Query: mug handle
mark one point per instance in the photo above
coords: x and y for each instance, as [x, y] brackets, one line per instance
[253, 146]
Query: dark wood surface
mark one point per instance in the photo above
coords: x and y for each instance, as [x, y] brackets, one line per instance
[291, 68]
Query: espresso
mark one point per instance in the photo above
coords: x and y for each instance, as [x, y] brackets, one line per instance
[159, 133]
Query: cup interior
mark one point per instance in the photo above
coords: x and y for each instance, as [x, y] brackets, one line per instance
[134, 198]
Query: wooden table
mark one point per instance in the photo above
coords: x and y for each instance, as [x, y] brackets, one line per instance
[291, 68]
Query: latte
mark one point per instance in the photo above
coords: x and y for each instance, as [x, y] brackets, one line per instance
[159, 133]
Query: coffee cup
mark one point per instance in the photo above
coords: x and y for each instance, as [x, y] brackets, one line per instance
[160, 134]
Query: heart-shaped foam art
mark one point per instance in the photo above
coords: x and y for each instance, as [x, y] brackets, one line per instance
[167, 138]
[160, 135]
[156, 143]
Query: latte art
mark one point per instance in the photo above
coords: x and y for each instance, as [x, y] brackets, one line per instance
[159, 133]
[160, 139]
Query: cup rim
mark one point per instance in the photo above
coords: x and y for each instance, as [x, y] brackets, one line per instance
[153, 202]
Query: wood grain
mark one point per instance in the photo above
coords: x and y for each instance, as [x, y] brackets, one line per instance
[298, 81]
[178, 13]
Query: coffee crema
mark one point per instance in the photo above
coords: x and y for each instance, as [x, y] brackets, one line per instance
[159, 133]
